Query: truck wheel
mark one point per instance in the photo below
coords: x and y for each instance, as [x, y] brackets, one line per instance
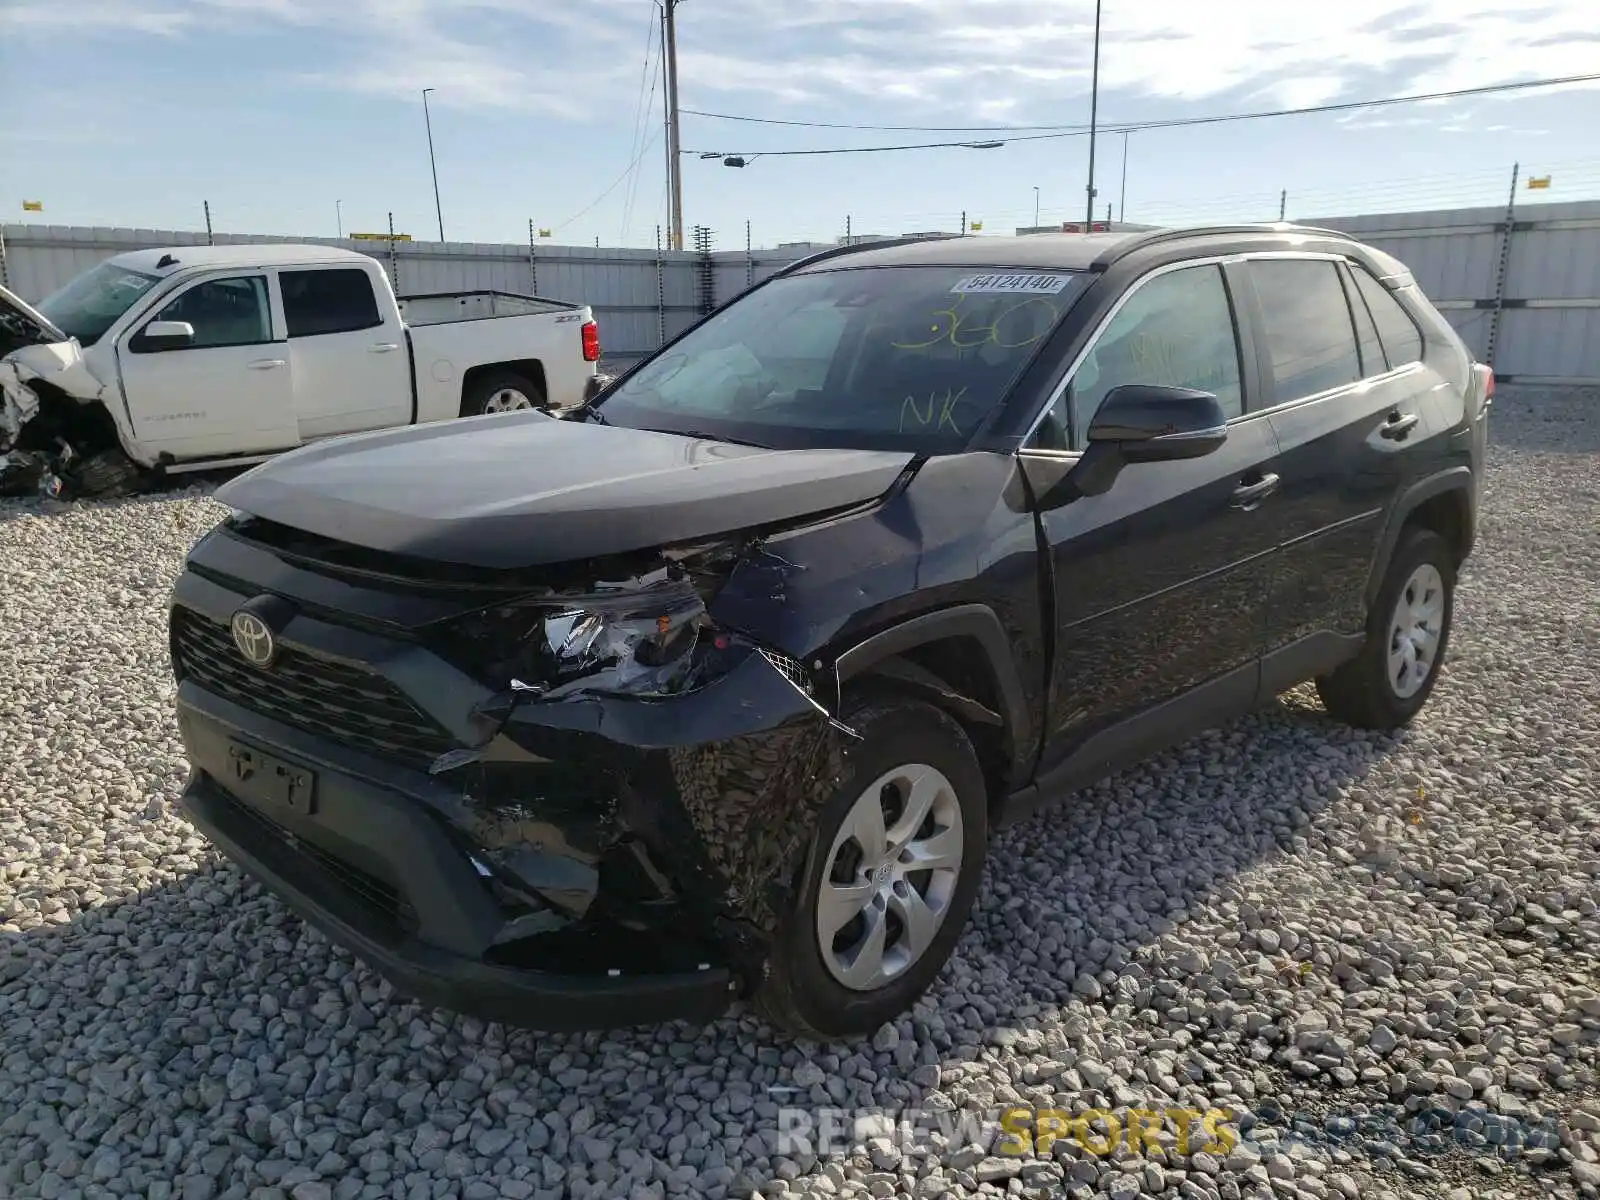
[501, 391]
[104, 476]
[1408, 631]
[891, 873]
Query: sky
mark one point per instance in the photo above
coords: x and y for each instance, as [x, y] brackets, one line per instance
[299, 117]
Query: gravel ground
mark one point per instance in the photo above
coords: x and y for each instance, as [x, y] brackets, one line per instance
[1283, 916]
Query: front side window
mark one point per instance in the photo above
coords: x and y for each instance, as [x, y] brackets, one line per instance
[914, 358]
[89, 305]
[224, 312]
[1307, 324]
[1395, 326]
[1176, 330]
[328, 301]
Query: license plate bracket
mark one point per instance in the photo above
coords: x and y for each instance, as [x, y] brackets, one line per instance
[257, 775]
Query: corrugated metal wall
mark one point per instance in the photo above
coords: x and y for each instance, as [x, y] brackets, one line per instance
[1549, 325]
[1550, 301]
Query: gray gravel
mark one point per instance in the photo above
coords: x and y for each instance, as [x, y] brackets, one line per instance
[1283, 916]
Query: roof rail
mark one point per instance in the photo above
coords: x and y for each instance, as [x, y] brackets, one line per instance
[855, 247]
[1154, 237]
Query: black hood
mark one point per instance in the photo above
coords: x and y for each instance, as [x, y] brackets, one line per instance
[523, 490]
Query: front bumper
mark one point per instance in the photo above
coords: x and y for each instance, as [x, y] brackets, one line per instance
[660, 838]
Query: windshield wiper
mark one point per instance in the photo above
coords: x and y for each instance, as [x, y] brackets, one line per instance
[711, 437]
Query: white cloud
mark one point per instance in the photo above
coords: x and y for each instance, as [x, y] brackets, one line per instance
[902, 61]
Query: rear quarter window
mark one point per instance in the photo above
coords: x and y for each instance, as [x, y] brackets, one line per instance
[1402, 341]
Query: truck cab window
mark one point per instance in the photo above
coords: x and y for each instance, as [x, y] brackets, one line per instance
[328, 301]
[224, 312]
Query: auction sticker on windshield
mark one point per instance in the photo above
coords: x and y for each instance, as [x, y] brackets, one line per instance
[1038, 285]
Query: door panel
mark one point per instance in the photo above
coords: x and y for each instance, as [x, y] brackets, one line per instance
[352, 368]
[1343, 445]
[1159, 585]
[1159, 582]
[230, 392]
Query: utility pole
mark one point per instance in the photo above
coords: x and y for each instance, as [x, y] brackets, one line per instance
[428, 120]
[1094, 103]
[1036, 208]
[670, 26]
[209, 240]
[338, 216]
[1122, 197]
[1283, 203]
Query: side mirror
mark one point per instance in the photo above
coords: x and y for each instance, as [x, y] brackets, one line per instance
[1142, 423]
[1148, 423]
[166, 335]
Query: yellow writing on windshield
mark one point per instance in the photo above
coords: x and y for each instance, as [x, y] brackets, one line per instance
[937, 412]
[1017, 325]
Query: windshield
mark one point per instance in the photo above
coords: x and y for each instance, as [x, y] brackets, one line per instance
[88, 306]
[891, 358]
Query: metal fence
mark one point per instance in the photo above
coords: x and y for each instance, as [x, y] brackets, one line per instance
[1522, 286]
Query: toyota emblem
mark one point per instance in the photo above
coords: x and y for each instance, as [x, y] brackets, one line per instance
[254, 639]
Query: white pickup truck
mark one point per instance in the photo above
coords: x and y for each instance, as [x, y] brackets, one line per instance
[199, 357]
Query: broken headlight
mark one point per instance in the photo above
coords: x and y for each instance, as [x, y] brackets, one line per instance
[646, 638]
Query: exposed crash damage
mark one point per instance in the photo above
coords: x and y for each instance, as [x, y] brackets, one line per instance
[57, 437]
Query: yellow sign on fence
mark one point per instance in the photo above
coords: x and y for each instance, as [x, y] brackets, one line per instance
[1538, 181]
[977, 227]
[33, 206]
[544, 233]
[381, 237]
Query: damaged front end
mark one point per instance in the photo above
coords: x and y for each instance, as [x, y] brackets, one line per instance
[648, 770]
[584, 778]
[52, 417]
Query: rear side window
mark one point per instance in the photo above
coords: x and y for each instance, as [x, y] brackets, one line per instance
[1401, 338]
[1307, 323]
[336, 301]
[1372, 360]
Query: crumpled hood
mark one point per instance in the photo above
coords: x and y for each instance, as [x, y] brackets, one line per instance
[523, 490]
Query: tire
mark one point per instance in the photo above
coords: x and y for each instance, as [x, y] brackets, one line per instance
[105, 475]
[1370, 691]
[501, 391]
[901, 741]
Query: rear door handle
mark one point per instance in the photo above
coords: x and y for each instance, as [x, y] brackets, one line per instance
[1398, 428]
[383, 347]
[267, 364]
[1249, 495]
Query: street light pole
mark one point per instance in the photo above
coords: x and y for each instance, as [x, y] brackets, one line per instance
[1122, 198]
[338, 215]
[1094, 101]
[1036, 208]
[434, 166]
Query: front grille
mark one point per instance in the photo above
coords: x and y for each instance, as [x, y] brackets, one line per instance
[375, 894]
[345, 704]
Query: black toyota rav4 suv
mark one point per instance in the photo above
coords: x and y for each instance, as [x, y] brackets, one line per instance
[718, 685]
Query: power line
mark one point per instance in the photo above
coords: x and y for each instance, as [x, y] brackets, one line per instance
[615, 183]
[1129, 126]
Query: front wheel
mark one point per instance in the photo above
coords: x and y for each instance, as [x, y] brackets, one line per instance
[1408, 631]
[891, 873]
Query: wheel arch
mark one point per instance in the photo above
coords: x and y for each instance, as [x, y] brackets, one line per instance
[961, 660]
[1442, 503]
[530, 369]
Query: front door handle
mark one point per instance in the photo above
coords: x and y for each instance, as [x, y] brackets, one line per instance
[1398, 428]
[267, 364]
[1248, 495]
[383, 347]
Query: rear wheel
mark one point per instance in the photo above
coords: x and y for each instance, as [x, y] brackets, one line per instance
[890, 876]
[501, 391]
[1408, 631]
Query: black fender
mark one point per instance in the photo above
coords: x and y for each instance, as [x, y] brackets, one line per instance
[1452, 479]
[975, 621]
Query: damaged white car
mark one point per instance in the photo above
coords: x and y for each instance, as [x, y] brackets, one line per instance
[158, 362]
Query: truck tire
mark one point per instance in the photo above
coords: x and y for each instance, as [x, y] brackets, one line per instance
[103, 476]
[501, 391]
[868, 930]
